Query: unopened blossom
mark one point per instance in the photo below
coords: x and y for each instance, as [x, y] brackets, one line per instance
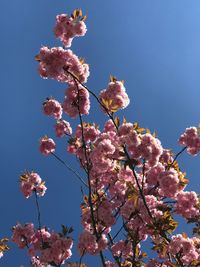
[62, 127]
[68, 27]
[186, 204]
[76, 100]
[114, 97]
[47, 145]
[52, 107]
[191, 139]
[60, 64]
[30, 182]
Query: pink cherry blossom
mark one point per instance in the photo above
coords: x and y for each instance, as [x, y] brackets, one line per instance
[186, 247]
[191, 139]
[114, 97]
[47, 145]
[169, 183]
[187, 204]
[76, 99]
[68, 27]
[57, 63]
[52, 107]
[23, 234]
[62, 127]
[31, 181]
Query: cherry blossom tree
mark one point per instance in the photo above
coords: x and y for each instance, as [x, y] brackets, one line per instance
[133, 187]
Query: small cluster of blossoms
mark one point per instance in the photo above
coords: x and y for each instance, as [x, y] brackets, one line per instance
[114, 97]
[30, 182]
[122, 248]
[187, 204]
[169, 183]
[52, 107]
[62, 127]
[191, 139]
[58, 63]
[47, 145]
[68, 27]
[90, 132]
[88, 244]
[188, 248]
[76, 100]
[140, 145]
[44, 247]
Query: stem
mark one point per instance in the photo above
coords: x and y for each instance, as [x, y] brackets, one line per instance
[88, 174]
[143, 173]
[70, 169]
[38, 210]
[81, 258]
[39, 215]
[177, 155]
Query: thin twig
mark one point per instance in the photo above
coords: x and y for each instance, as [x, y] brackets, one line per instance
[177, 155]
[70, 169]
[81, 258]
[38, 210]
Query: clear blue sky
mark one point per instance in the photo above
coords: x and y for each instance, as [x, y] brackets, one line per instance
[153, 45]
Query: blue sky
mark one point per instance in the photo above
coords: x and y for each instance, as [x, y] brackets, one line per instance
[152, 45]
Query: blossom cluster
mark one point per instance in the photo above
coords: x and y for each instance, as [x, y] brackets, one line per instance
[191, 139]
[44, 247]
[47, 145]
[114, 97]
[62, 127]
[76, 100]
[52, 107]
[187, 247]
[60, 64]
[30, 182]
[68, 27]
